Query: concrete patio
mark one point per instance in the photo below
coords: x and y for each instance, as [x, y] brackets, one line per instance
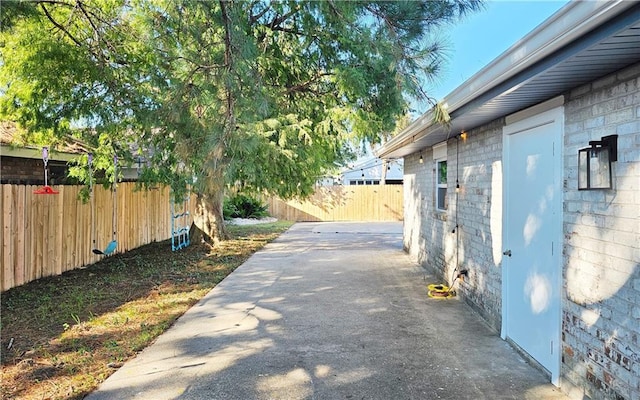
[329, 311]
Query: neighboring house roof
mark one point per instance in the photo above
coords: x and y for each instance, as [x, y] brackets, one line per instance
[583, 41]
[371, 168]
[12, 145]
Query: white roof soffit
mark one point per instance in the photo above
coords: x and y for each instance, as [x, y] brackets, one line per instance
[35, 153]
[583, 41]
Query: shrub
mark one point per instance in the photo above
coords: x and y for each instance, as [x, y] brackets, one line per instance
[243, 206]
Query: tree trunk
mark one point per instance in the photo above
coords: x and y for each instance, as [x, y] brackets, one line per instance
[208, 221]
[208, 218]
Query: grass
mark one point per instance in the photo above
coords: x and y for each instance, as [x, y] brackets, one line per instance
[62, 336]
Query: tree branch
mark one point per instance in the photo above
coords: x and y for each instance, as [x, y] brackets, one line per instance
[304, 87]
[199, 66]
[287, 30]
[279, 20]
[56, 2]
[95, 29]
[228, 51]
[57, 25]
[254, 18]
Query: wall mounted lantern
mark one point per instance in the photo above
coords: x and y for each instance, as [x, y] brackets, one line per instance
[594, 163]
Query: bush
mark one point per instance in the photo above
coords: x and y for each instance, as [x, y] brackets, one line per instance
[243, 206]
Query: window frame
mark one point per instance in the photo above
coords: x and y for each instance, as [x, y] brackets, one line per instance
[441, 189]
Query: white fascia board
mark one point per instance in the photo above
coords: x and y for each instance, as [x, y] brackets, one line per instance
[36, 153]
[570, 22]
[407, 135]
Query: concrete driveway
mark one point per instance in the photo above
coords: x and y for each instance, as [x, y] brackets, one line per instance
[328, 311]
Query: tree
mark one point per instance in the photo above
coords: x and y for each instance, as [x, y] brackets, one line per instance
[259, 95]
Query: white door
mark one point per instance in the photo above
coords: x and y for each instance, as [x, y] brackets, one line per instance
[532, 268]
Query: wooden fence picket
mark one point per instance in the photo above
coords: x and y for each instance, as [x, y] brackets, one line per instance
[343, 203]
[45, 235]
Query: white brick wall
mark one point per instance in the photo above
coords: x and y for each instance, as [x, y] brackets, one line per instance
[601, 324]
[429, 235]
[480, 218]
[601, 252]
[417, 180]
[425, 224]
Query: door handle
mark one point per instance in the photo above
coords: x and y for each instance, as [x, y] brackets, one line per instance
[507, 253]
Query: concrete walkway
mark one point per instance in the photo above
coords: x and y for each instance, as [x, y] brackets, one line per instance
[328, 311]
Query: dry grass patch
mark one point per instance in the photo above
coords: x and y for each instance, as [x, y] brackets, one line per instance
[62, 336]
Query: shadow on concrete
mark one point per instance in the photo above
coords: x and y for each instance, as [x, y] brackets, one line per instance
[328, 311]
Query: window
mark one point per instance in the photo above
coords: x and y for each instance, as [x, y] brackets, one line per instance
[442, 202]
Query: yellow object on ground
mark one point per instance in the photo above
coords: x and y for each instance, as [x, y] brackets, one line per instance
[437, 291]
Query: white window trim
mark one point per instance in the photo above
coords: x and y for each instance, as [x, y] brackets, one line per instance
[438, 185]
[439, 155]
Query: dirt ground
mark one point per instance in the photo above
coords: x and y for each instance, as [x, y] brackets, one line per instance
[62, 336]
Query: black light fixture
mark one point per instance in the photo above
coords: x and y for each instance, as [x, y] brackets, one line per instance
[421, 159]
[594, 163]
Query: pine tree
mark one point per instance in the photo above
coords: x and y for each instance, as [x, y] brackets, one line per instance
[260, 96]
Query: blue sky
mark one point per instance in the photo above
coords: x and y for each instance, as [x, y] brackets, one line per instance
[481, 37]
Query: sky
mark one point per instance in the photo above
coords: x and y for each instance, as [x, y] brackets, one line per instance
[481, 37]
[477, 40]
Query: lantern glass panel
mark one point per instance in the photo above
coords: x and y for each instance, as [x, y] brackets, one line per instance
[599, 169]
[594, 168]
[583, 176]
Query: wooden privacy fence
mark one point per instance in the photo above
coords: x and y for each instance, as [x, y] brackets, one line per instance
[44, 235]
[343, 203]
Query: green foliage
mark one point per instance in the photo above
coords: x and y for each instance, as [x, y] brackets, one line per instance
[442, 172]
[243, 206]
[265, 96]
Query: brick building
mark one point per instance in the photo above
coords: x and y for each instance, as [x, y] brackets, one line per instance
[22, 164]
[553, 268]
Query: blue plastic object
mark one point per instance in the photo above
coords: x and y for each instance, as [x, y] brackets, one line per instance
[180, 225]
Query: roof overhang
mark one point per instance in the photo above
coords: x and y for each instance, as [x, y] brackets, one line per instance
[583, 41]
[35, 153]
